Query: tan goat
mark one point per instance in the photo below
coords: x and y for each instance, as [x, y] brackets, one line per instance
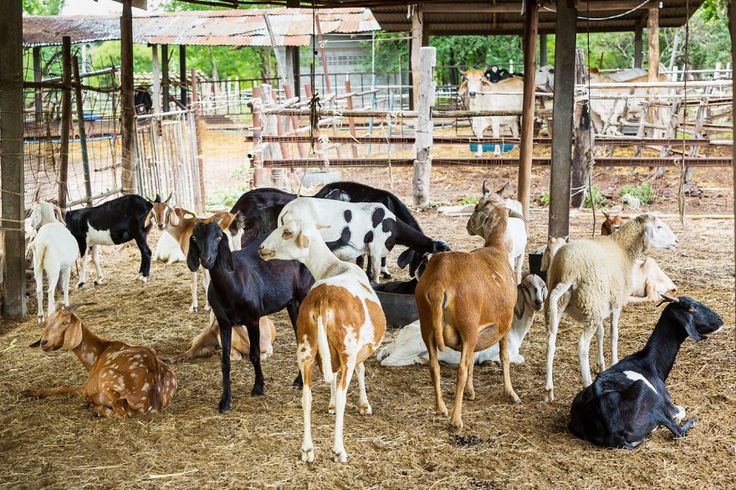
[612, 223]
[466, 302]
[122, 380]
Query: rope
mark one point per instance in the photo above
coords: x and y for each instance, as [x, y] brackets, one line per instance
[610, 17]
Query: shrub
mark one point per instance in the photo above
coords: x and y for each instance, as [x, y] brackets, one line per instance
[643, 192]
[594, 196]
[468, 200]
[544, 199]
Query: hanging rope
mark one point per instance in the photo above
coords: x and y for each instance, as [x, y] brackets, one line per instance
[314, 103]
[586, 121]
[683, 170]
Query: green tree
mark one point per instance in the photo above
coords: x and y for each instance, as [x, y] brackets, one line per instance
[42, 7]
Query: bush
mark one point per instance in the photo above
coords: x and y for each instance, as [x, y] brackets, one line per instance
[544, 199]
[225, 199]
[594, 196]
[643, 192]
[468, 200]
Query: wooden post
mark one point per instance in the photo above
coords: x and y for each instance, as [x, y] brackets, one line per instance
[351, 120]
[424, 127]
[542, 48]
[37, 75]
[165, 83]
[638, 47]
[127, 100]
[257, 160]
[562, 110]
[582, 160]
[731, 9]
[292, 56]
[198, 132]
[270, 122]
[66, 120]
[323, 57]
[82, 130]
[156, 76]
[11, 154]
[289, 93]
[183, 73]
[653, 28]
[417, 24]
[531, 22]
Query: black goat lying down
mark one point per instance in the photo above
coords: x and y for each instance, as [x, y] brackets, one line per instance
[112, 223]
[244, 288]
[629, 400]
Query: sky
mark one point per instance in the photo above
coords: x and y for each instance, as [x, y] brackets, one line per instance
[102, 7]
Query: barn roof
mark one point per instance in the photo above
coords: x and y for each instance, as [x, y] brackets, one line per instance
[292, 27]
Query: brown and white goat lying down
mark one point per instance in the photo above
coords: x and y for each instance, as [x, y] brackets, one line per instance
[209, 338]
[466, 301]
[340, 322]
[122, 380]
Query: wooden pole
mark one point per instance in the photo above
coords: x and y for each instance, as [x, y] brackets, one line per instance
[165, 83]
[257, 160]
[653, 28]
[732, 29]
[127, 100]
[11, 154]
[562, 109]
[423, 163]
[82, 130]
[156, 76]
[582, 160]
[417, 24]
[289, 93]
[198, 132]
[323, 57]
[542, 47]
[183, 73]
[66, 120]
[638, 47]
[531, 22]
[351, 120]
[37, 76]
[292, 55]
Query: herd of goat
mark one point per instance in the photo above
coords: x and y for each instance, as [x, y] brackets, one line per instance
[274, 250]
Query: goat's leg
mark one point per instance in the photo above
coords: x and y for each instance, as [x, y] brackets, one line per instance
[346, 372]
[145, 250]
[583, 352]
[254, 337]
[385, 273]
[195, 303]
[518, 265]
[83, 267]
[363, 404]
[206, 339]
[553, 323]
[306, 363]
[226, 332]
[65, 277]
[99, 276]
[61, 390]
[293, 309]
[462, 379]
[434, 369]
[206, 284]
[374, 261]
[38, 276]
[677, 430]
[333, 387]
[599, 335]
[469, 388]
[53, 277]
[503, 348]
[496, 129]
[615, 316]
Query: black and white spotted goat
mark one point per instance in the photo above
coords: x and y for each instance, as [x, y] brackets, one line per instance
[353, 230]
[629, 400]
[112, 223]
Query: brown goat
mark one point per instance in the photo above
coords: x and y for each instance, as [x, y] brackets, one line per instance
[122, 380]
[466, 302]
[612, 223]
[209, 339]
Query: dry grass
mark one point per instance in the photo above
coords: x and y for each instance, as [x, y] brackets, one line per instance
[57, 442]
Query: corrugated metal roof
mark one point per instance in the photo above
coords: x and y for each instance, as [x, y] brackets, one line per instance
[292, 27]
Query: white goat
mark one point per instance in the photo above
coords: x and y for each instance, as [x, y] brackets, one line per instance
[408, 347]
[591, 279]
[54, 251]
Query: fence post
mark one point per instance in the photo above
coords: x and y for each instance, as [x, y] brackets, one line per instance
[582, 158]
[351, 120]
[82, 130]
[128, 100]
[195, 108]
[257, 160]
[66, 119]
[289, 93]
[424, 127]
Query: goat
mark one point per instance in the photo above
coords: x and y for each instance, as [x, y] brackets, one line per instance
[466, 302]
[408, 347]
[258, 211]
[244, 288]
[549, 251]
[340, 320]
[357, 229]
[629, 400]
[612, 223]
[592, 279]
[122, 380]
[209, 339]
[112, 223]
[54, 251]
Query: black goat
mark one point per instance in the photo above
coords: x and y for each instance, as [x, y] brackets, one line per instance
[244, 288]
[629, 400]
[112, 223]
[495, 74]
[258, 211]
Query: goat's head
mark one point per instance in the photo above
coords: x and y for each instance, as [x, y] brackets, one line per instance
[290, 241]
[697, 320]
[44, 212]
[63, 330]
[417, 261]
[612, 223]
[338, 195]
[545, 78]
[208, 245]
[553, 245]
[532, 293]
[474, 83]
[656, 231]
[489, 212]
[161, 211]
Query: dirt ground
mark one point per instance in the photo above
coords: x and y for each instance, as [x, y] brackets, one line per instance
[57, 442]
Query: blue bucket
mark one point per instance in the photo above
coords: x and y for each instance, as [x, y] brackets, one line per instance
[489, 147]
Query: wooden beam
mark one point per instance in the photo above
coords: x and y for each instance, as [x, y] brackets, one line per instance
[37, 76]
[11, 154]
[183, 74]
[638, 47]
[582, 160]
[417, 25]
[156, 76]
[127, 99]
[424, 128]
[559, 209]
[542, 47]
[66, 119]
[82, 130]
[165, 82]
[531, 19]
[653, 28]
[513, 8]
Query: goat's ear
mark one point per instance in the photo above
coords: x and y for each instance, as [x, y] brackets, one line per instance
[567, 238]
[606, 214]
[503, 188]
[322, 227]
[175, 215]
[520, 301]
[302, 240]
[73, 334]
[169, 198]
[690, 327]
[485, 189]
[405, 257]
[225, 255]
[36, 344]
[59, 214]
[193, 256]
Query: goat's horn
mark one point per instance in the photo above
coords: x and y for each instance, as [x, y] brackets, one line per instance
[485, 188]
[76, 306]
[514, 214]
[670, 299]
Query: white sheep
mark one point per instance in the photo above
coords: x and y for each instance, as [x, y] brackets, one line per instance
[590, 279]
[408, 347]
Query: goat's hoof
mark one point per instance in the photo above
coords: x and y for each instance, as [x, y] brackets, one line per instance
[366, 410]
[442, 410]
[207, 308]
[386, 275]
[225, 406]
[99, 282]
[331, 410]
[298, 383]
[689, 424]
[308, 455]
[40, 318]
[549, 396]
[28, 393]
[516, 399]
[257, 390]
[339, 456]
[517, 359]
[679, 416]
[143, 279]
[193, 309]
[457, 425]
[80, 285]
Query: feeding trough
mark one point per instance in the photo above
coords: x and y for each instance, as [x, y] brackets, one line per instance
[400, 308]
[535, 265]
[490, 147]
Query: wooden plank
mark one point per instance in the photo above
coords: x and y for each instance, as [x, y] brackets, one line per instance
[198, 135]
[653, 28]
[531, 21]
[183, 75]
[127, 101]
[417, 25]
[638, 47]
[424, 129]
[559, 209]
[11, 154]
[82, 131]
[66, 120]
[165, 82]
[156, 79]
[37, 75]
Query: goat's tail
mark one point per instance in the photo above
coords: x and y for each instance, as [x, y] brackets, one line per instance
[323, 346]
[39, 254]
[437, 298]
